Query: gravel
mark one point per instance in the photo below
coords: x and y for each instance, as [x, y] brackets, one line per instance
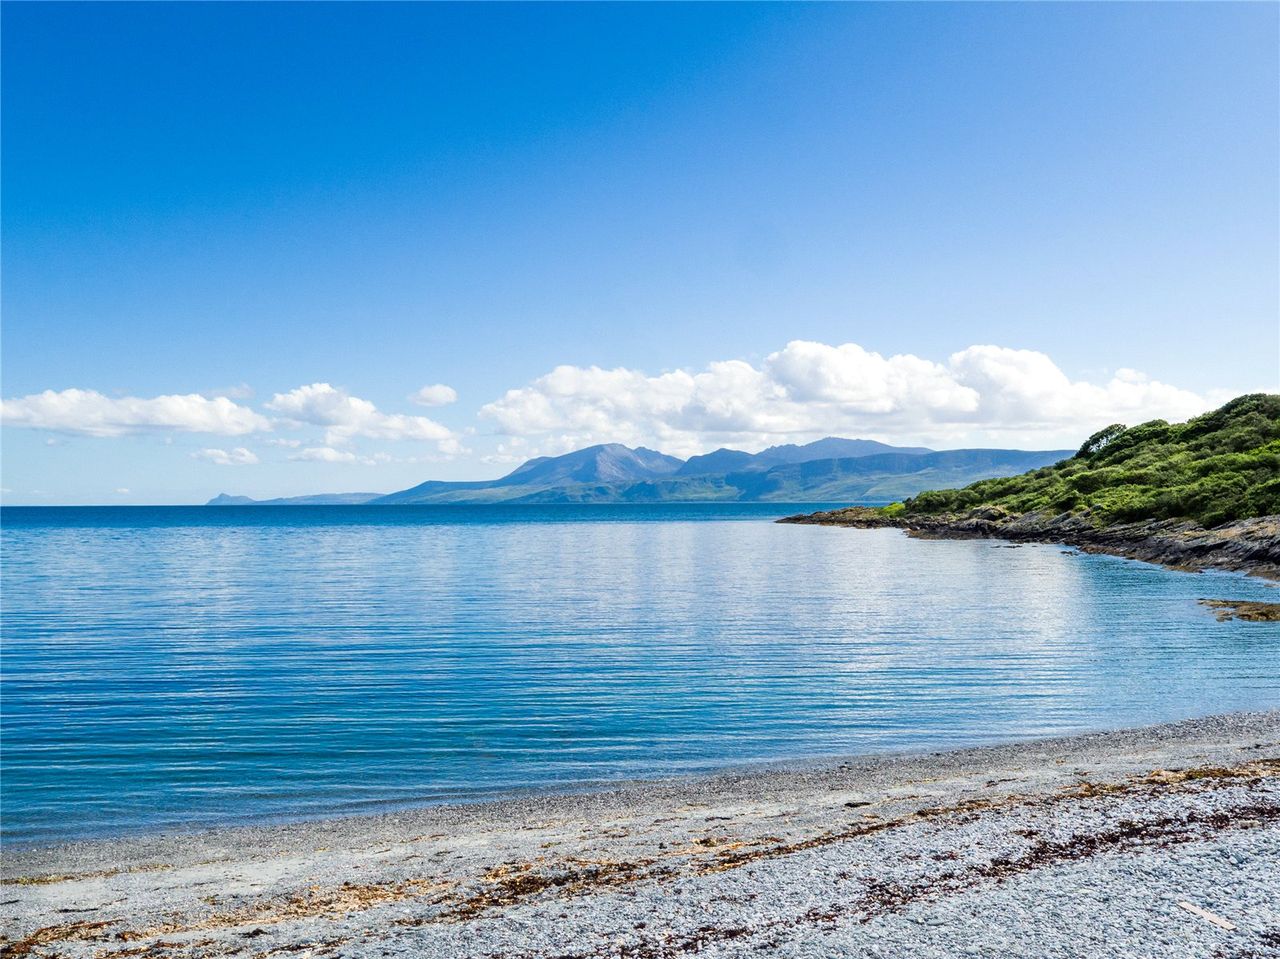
[1083, 846]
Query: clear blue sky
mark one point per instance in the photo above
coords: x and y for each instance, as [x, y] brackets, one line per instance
[245, 199]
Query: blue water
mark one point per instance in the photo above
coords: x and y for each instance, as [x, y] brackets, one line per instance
[167, 667]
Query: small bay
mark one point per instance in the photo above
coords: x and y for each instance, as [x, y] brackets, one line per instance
[171, 667]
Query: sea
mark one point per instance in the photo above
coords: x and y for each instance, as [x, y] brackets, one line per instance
[173, 668]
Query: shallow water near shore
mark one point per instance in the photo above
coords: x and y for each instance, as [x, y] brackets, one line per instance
[171, 666]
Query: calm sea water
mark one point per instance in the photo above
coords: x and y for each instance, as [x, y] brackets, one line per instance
[167, 667]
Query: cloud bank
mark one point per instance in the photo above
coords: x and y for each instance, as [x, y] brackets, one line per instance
[981, 396]
[342, 416]
[89, 413]
[345, 417]
[978, 396]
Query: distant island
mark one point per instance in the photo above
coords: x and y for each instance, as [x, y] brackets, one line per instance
[831, 469]
[319, 499]
[1194, 495]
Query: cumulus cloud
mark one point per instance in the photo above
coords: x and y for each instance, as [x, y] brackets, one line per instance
[451, 447]
[345, 417]
[514, 450]
[324, 454]
[327, 454]
[980, 395]
[236, 457]
[435, 395]
[89, 413]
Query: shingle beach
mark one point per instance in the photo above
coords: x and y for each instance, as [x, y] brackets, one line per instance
[1160, 842]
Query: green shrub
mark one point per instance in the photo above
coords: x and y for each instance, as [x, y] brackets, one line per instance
[1221, 466]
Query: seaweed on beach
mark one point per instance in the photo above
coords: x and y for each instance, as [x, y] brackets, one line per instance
[517, 883]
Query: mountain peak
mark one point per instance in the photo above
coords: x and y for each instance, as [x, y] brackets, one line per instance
[828, 448]
[833, 447]
[603, 463]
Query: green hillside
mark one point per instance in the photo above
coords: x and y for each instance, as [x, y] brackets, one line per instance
[1218, 467]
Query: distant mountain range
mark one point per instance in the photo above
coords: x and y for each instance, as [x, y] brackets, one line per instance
[828, 470]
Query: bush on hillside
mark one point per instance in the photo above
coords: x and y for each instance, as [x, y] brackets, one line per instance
[1222, 466]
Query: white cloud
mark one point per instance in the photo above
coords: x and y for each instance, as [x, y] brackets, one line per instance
[286, 443]
[327, 454]
[856, 380]
[122, 491]
[90, 413]
[983, 395]
[345, 416]
[435, 395]
[236, 457]
[514, 450]
[451, 447]
[324, 454]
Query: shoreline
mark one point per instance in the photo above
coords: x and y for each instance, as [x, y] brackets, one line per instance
[580, 797]
[1249, 546]
[720, 863]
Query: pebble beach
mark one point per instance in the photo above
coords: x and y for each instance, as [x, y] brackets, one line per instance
[1162, 841]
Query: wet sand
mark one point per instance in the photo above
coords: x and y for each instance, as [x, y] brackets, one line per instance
[1160, 841]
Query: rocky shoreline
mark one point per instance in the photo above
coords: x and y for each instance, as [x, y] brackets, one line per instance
[1249, 546]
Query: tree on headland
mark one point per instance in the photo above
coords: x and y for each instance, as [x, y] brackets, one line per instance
[1100, 439]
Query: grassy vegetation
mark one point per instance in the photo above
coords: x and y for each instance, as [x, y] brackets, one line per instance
[1219, 467]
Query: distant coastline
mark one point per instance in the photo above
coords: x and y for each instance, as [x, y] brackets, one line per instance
[831, 470]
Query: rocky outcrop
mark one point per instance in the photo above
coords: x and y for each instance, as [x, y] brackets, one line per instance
[1242, 609]
[1248, 545]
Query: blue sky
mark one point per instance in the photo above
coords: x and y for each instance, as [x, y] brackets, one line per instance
[239, 238]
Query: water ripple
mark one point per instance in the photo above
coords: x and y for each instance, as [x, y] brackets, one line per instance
[175, 667]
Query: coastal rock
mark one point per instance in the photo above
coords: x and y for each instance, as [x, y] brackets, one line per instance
[1247, 545]
[1242, 609]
